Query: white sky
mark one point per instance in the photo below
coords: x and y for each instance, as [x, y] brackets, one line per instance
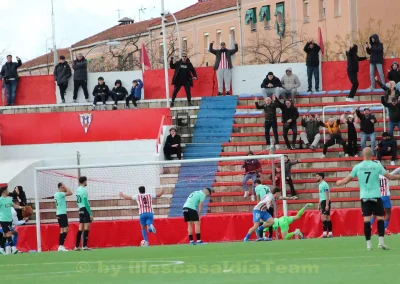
[26, 24]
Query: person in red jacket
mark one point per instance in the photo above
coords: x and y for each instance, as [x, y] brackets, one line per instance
[252, 169]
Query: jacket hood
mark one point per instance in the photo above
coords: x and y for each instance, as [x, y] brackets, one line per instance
[289, 69]
[376, 37]
[397, 65]
[354, 48]
[118, 82]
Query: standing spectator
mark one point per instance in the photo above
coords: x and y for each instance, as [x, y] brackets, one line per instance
[389, 88]
[100, 92]
[62, 72]
[270, 119]
[387, 147]
[288, 173]
[183, 77]
[311, 133]
[290, 115]
[394, 111]
[270, 86]
[333, 126]
[277, 174]
[352, 147]
[19, 195]
[173, 145]
[394, 74]
[80, 76]
[9, 75]
[118, 93]
[290, 83]
[223, 66]
[252, 168]
[367, 125]
[352, 69]
[136, 93]
[375, 49]
[312, 49]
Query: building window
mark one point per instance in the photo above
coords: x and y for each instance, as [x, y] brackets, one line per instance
[161, 51]
[130, 61]
[232, 37]
[251, 19]
[265, 16]
[306, 11]
[206, 42]
[219, 37]
[338, 8]
[184, 44]
[322, 9]
[280, 18]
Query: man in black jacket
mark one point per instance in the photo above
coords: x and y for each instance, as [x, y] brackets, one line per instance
[375, 49]
[270, 119]
[367, 126]
[9, 74]
[80, 76]
[223, 66]
[62, 72]
[118, 93]
[352, 69]
[387, 147]
[184, 71]
[394, 112]
[173, 145]
[100, 92]
[289, 116]
[394, 74]
[312, 49]
[270, 86]
[311, 133]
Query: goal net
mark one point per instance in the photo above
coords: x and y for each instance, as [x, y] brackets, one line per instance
[177, 179]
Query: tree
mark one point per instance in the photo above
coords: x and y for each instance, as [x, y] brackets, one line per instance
[2, 56]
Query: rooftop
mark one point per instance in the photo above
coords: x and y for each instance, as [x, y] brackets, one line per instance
[46, 59]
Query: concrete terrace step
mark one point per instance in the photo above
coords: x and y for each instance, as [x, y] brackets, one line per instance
[321, 104]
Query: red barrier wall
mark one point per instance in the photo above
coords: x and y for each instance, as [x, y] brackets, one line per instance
[214, 228]
[335, 74]
[65, 127]
[205, 86]
[35, 90]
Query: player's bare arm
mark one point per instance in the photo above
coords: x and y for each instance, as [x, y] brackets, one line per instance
[327, 194]
[344, 181]
[126, 197]
[68, 191]
[161, 193]
[391, 176]
[200, 209]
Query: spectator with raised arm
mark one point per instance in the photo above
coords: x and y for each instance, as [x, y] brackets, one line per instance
[136, 93]
[387, 147]
[394, 74]
[375, 48]
[367, 126]
[311, 134]
[270, 119]
[252, 168]
[9, 75]
[352, 69]
[352, 146]
[270, 86]
[312, 61]
[393, 107]
[335, 137]
[183, 77]
[290, 84]
[290, 114]
[173, 145]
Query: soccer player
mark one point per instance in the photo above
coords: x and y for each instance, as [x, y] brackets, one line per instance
[324, 205]
[368, 173]
[61, 213]
[85, 214]
[146, 212]
[192, 212]
[6, 221]
[260, 212]
[261, 191]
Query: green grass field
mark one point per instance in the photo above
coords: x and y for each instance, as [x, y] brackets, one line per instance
[338, 260]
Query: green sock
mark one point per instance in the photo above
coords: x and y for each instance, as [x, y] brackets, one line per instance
[289, 236]
[301, 212]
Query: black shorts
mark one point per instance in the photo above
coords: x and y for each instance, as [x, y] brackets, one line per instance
[62, 220]
[6, 227]
[372, 206]
[270, 211]
[322, 205]
[84, 216]
[190, 215]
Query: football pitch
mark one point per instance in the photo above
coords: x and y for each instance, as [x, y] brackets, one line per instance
[337, 260]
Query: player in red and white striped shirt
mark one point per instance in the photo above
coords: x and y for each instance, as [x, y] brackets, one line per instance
[146, 214]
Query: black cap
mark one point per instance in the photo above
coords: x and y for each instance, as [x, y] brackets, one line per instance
[100, 79]
[270, 73]
[366, 108]
[62, 57]
[321, 175]
[385, 134]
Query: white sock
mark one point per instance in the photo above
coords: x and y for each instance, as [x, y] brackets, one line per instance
[381, 240]
[330, 233]
[369, 244]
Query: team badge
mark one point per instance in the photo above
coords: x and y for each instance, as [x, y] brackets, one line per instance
[86, 120]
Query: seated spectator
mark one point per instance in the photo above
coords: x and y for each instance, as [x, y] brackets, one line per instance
[19, 195]
[352, 146]
[118, 93]
[394, 74]
[394, 111]
[136, 93]
[252, 168]
[311, 133]
[270, 119]
[335, 137]
[290, 83]
[277, 175]
[100, 92]
[288, 173]
[270, 86]
[367, 125]
[173, 145]
[289, 116]
[387, 147]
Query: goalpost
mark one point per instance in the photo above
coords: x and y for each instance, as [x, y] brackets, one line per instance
[177, 178]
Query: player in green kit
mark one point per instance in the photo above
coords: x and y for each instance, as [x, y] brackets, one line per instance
[85, 214]
[6, 221]
[62, 218]
[368, 173]
[324, 205]
[192, 212]
[261, 191]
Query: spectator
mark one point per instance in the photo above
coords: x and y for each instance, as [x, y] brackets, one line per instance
[270, 86]
[118, 93]
[394, 110]
[311, 132]
[312, 49]
[100, 92]
[389, 88]
[223, 66]
[290, 83]
[19, 195]
[80, 76]
[367, 125]
[62, 72]
[136, 93]
[375, 49]
[252, 168]
[277, 174]
[183, 77]
[352, 147]
[387, 147]
[333, 126]
[288, 173]
[173, 145]
[9, 75]
[290, 115]
[394, 74]
[270, 119]
[352, 69]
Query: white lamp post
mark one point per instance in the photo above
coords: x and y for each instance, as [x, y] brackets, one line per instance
[178, 30]
[165, 51]
[108, 43]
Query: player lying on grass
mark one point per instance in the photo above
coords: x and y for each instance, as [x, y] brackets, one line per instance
[146, 212]
[260, 212]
